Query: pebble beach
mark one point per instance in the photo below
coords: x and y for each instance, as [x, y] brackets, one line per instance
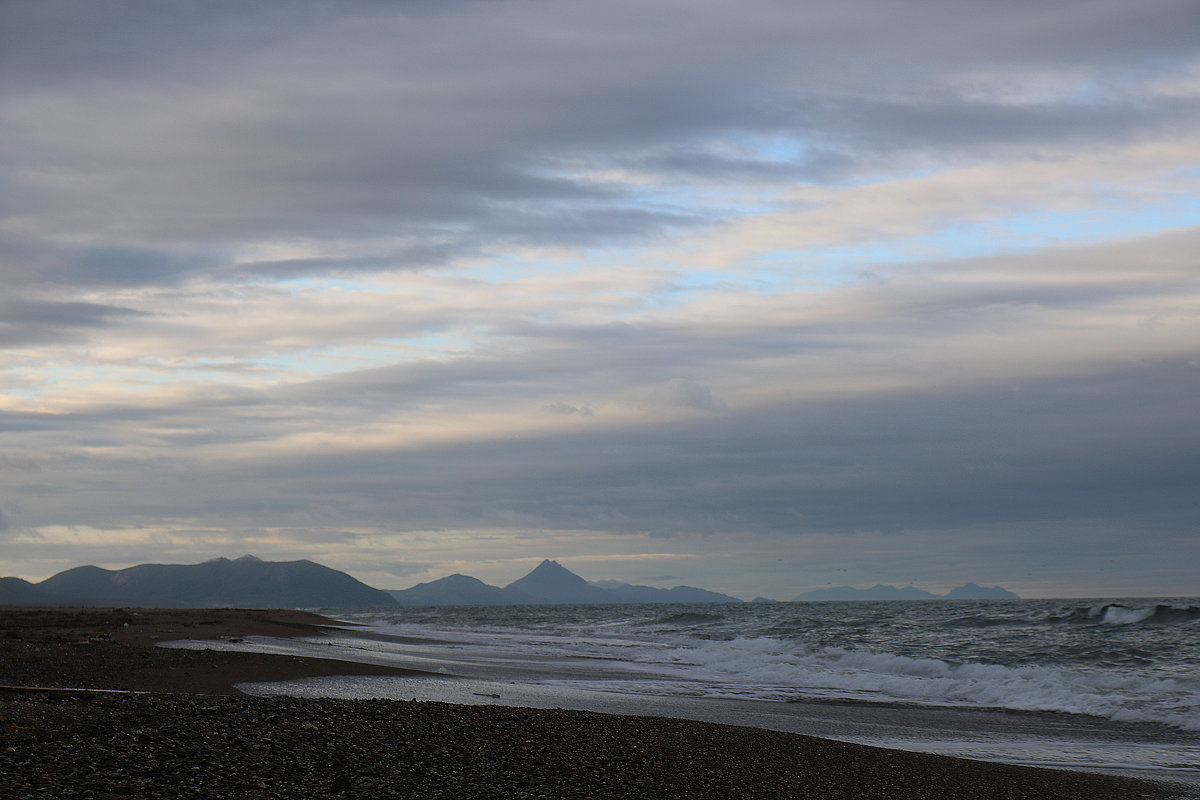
[178, 727]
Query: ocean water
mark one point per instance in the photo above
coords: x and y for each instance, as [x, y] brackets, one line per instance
[1105, 684]
[1125, 660]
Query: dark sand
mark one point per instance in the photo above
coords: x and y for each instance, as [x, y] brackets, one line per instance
[114, 649]
[179, 740]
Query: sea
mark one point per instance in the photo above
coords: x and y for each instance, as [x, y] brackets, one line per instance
[1111, 685]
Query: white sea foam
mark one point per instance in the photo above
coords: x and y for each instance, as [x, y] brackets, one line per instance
[769, 668]
[632, 660]
[1125, 661]
[1114, 614]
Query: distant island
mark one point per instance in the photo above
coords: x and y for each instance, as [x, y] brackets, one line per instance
[970, 591]
[250, 582]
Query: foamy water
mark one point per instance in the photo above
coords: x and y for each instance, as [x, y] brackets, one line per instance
[1125, 661]
[1117, 662]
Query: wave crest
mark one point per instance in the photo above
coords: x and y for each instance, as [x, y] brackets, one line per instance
[782, 670]
[1121, 614]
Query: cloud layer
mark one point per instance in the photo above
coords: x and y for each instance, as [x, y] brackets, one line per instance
[767, 293]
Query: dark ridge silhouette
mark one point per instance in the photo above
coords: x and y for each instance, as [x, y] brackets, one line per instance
[249, 582]
[246, 582]
[453, 590]
[973, 591]
[18, 592]
[970, 591]
[549, 583]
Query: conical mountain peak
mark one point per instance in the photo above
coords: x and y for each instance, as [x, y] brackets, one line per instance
[551, 582]
[548, 567]
[548, 582]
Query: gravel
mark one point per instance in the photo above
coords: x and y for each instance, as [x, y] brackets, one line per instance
[66, 745]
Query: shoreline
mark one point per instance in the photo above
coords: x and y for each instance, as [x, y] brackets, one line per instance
[106, 648]
[399, 748]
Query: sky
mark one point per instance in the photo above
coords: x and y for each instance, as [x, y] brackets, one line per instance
[757, 296]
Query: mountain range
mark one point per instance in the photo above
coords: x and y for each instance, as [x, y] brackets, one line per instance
[249, 582]
[970, 591]
[246, 582]
[549, 582]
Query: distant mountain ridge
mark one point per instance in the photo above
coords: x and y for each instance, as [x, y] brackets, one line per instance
[548, 583]
[970, 591]
[452, 590]
[250, 582]
[246, 582]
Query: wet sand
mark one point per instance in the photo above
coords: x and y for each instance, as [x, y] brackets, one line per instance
[179, 739]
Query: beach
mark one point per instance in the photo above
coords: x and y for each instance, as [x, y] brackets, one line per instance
[181, 728]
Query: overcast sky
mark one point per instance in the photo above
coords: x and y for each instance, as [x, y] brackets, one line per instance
[756, 296]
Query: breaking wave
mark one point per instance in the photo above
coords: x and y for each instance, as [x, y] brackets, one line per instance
[1096, 614]
[1122, 614]
[1128, 660]
[766, 668]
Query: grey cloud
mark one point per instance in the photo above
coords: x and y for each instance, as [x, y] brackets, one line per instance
[1118, 446]
[932, 124]
[124, 265]
[538, 360]
[363, 120]
[19, 463]
[46, 44]
[404, 569]
[873, 465]
[533, 362]
[28, 421]
[559, 407]
[25, 264]
[415, 257]
[24, 322]
[33, 311]
[53, 40]
[688, 393]
[152, 144]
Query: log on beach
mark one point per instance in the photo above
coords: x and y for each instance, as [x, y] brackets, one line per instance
[177, 741]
